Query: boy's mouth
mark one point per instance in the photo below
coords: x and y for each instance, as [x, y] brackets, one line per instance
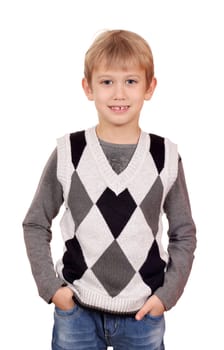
[119, 108]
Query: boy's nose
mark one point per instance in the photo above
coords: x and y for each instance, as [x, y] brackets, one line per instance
[119, 93]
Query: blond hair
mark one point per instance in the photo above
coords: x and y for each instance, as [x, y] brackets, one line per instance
[119, 48]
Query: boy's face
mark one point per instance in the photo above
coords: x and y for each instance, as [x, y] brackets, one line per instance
[118, 94]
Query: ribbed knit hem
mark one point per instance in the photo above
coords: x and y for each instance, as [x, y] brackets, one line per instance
[103, 311]
[116, 305]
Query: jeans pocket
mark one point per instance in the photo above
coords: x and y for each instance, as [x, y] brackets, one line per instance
[66, 313]
[154, 319]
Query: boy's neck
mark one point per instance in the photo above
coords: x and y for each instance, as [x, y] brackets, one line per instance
[118, 134]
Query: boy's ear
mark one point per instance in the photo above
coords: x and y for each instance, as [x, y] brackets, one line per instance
[87, 89]
[149, 92]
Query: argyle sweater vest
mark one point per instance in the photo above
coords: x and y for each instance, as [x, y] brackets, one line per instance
[112, 225]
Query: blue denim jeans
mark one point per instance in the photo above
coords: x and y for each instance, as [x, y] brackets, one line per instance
[83, 329]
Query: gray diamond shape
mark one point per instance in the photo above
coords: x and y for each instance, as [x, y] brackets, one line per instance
[151, 204]
[113, 269]
[79, 201]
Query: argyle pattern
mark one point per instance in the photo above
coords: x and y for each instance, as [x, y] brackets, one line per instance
[114, 238]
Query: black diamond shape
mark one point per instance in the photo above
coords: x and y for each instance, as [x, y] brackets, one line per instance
[78, 143]
[73, 260]
[113, 269]
[116, 210]
[157, 150]
[152, 271]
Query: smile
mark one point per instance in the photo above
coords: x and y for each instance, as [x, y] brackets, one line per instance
[119, 108]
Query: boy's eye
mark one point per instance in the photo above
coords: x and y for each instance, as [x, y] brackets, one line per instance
[107, 82]
[131, 81]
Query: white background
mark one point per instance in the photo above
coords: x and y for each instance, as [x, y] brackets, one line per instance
[42, 47]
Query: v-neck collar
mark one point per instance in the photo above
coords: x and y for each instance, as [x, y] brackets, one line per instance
[117, 182]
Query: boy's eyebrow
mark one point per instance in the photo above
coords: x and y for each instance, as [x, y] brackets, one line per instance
[104, 76]
[132, 75]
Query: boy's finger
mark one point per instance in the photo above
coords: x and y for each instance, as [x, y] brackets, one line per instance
[142, 312]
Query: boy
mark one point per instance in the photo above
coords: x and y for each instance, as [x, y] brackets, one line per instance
[115, 280]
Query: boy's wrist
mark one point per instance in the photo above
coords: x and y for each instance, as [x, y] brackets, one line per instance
[63, 298]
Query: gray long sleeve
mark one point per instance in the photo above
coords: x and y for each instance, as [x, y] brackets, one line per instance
[37, 230]
[182, 241]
